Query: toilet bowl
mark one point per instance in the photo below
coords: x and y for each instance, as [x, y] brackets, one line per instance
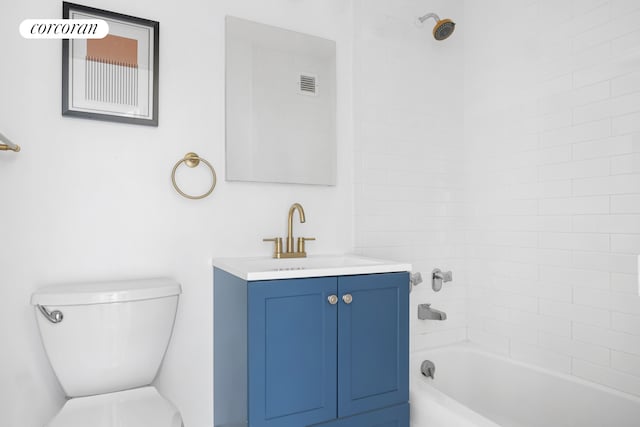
[105, 342]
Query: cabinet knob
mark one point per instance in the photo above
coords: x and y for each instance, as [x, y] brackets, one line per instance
[333, 299]
[347, 298]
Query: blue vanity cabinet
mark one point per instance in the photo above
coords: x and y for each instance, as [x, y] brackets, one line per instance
[373, 342]
[292, 352]
[285, 356]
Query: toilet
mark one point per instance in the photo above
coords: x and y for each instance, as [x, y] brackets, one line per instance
[106, 342]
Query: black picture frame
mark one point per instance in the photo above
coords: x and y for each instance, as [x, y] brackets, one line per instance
[129, 92]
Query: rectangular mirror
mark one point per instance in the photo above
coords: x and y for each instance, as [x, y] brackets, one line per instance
[280, 105]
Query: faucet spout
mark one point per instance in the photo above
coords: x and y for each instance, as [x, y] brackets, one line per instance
[292, 209]
[289, 252]
[425, 312]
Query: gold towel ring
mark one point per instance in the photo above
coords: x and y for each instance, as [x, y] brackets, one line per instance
[192, 160]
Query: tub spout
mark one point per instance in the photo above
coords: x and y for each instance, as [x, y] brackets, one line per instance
[425, 312]
[428, 368]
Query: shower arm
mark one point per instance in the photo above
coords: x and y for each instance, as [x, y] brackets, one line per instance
[427, 16]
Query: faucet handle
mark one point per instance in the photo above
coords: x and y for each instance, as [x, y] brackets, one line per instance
[301, 241]
[278, 245]
[438, 277]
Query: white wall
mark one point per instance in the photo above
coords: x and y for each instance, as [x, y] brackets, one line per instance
[88, 200]
[552, 129]
[409, 196]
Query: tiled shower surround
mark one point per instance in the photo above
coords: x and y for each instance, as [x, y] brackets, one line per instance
[510, 154]
[409, 152]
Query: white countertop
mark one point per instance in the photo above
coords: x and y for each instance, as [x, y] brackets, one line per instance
[264, 268]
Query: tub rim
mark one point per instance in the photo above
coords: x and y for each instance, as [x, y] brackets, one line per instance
[470, 347]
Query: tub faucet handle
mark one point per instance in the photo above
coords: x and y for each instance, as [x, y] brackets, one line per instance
[438, 277]
[414, 280]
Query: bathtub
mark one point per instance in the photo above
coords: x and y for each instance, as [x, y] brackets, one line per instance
[474, 388]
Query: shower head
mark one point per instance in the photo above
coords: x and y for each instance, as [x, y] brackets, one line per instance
[444, 27]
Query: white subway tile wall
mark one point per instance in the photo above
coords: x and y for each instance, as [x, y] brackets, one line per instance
[552, 128]
[510, 154]
[409, 195]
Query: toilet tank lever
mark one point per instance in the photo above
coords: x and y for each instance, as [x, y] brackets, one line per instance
[54, 316]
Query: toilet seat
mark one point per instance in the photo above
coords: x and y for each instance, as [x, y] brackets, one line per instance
[141, 407]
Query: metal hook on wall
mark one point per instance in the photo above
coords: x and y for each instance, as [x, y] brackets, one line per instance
[7, 145]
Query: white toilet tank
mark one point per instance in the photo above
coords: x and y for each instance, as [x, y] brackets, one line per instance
[112, 336]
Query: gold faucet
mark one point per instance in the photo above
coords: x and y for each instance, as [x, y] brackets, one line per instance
[290, 253]
[292, 209]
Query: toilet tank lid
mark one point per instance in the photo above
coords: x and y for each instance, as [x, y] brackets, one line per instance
[106, 292]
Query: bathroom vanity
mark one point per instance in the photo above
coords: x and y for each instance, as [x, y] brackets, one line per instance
[322, 341]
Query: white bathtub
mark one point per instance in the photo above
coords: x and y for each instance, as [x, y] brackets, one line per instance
[480, 389]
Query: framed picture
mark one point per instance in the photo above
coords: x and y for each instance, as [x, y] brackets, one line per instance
[114, 78]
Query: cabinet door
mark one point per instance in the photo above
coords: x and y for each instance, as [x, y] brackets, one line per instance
[292, 352]
[373, 342]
